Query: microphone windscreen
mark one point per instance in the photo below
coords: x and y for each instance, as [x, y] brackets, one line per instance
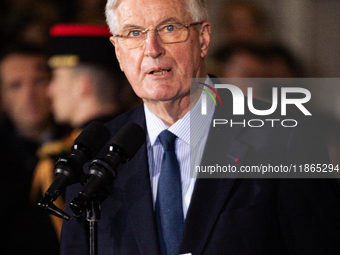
[129, 138]
[94, 136]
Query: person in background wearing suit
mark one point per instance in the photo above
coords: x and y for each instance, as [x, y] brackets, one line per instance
[154, 206]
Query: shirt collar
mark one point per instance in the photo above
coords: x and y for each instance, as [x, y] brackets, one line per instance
[199, 123]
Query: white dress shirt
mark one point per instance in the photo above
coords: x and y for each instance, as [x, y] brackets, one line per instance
[192, 132]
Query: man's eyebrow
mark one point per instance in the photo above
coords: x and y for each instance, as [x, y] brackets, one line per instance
[169, 20]
[128, 27]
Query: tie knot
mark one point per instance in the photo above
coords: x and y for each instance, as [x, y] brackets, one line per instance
[167, 140]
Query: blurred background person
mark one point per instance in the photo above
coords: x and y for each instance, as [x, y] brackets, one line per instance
[249, 60]
[243, 60]
[87, 85]
[85, 73]
[250, 24]
[28, 123]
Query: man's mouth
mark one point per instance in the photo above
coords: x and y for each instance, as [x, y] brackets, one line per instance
[160, 72]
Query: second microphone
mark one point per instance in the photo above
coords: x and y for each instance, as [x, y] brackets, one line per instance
[123, 146]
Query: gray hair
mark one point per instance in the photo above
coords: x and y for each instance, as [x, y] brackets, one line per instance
[197, 8]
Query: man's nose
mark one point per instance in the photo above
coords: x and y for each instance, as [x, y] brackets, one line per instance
[153, 45]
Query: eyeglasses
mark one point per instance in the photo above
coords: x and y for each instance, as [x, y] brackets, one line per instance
[168, 33]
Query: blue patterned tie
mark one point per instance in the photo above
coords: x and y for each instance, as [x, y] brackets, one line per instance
[169, 211]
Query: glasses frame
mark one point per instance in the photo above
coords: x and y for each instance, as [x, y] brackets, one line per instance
[144, 32]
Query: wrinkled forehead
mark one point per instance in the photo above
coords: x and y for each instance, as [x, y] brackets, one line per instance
[150, 13]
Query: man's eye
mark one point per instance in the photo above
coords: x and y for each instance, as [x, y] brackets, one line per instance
[169, 28]
[135, 33]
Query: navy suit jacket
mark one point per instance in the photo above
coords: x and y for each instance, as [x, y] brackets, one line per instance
[226, 215]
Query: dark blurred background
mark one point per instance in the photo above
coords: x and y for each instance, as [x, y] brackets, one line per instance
[250, 39]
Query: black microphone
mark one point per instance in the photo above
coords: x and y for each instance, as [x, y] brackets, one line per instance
[68, 170]
[123, 147]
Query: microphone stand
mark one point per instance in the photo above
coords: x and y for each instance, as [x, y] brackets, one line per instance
[102, 172]
[93, 215]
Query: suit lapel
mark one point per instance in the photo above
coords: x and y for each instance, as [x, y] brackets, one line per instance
[135, 179]
[139, 201]
[210, 195]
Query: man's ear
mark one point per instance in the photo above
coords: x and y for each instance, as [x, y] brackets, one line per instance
[205, 38]
[113, 41]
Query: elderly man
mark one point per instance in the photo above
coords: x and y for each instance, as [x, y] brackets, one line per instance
[154, 206]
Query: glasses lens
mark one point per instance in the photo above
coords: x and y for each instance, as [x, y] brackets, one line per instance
[131, 42]
[173, 33]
